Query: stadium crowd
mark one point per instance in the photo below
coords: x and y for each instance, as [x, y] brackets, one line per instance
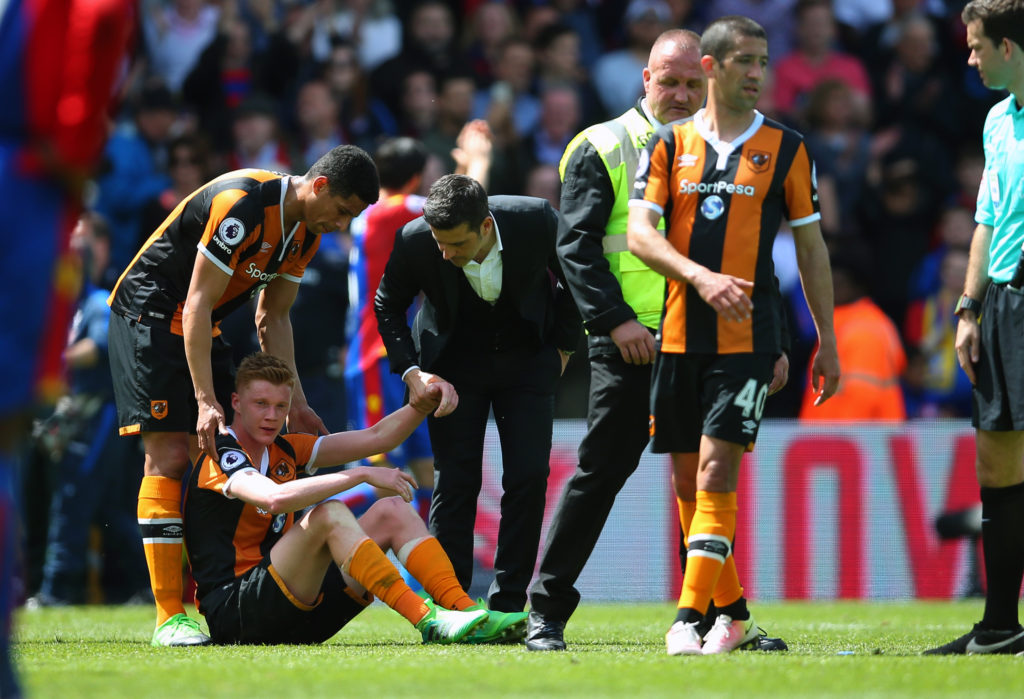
[881, 91]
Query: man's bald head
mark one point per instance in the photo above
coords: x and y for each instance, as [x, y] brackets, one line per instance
[674, 81]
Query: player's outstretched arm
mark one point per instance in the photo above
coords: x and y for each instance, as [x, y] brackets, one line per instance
[256, 489]
[392, 430]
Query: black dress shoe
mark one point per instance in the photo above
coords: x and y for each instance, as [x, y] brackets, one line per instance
[544, 634]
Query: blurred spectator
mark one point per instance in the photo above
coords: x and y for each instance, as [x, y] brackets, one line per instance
[454, 108]
[776, 16]
[133, 171]
[559, 122]
[913, 91]
[577, 15]
[856, 16]
[429, 45]
[488, 27]
[257, 141]
[814, 59]
[320, 127]
[364, 117]
[870, 350]
[840, 146]
[318, 317]
[955, 230]
[188, 163]
[542, 181]
[175, 34]
[369, 24]
[97, 472]
[509, 105]
[558, 58]
[230, 69]
[419, 104]
[898, 216]
[618, 74]
[936, 386]
[970, 166]
[536, 18]
[876, 43]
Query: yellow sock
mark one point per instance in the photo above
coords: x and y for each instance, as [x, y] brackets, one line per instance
[371, 568]
[429, 564]
[728, 588]
[687, 508]
[160, 522]
[711, 532]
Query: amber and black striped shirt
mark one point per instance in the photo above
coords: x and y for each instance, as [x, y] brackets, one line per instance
[236, 221]
[723, 204]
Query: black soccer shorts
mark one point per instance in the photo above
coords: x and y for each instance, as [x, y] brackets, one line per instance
[720, 395]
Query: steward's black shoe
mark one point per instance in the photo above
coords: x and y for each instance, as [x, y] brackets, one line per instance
[979, 640]
[544, 634]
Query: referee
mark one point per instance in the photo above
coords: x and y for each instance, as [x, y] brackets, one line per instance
[988, 342]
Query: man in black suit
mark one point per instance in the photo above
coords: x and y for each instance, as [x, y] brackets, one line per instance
[498, 323]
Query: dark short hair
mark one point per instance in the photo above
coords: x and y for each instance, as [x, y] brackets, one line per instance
[1000, 19]
[454, 200]
[399, 160]
[721, 36]
[261, 366]
[349, 170]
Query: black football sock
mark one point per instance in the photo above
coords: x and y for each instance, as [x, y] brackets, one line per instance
[688, 616]
[1002, 536]
[737, 610]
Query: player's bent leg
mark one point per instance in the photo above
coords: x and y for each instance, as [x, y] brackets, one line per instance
[394, 525]
[162, 529]
[303, 554]
[365, 563]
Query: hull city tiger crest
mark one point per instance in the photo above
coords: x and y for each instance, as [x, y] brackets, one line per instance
[282, 472]
[759, 160]
[158, 409]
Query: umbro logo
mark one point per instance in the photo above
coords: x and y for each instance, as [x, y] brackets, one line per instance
[687, 160]
[265, 246]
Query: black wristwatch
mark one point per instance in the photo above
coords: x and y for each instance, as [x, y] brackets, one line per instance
[966, 303]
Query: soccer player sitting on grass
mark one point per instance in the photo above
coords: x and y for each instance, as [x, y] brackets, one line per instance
[263, 577]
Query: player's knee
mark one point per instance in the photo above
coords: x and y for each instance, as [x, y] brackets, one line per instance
[392, 511]
[329, 515]
[167, 459]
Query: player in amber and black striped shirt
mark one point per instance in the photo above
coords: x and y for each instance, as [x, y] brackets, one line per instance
[262, 580]
[724, 182]
[249, 233]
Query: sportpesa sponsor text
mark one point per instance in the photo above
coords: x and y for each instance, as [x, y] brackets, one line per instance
[687, 187]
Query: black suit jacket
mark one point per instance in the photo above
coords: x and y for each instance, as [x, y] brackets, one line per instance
[531, 278]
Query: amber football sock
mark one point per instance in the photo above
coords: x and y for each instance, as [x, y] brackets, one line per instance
[728, 589]
[711, 531]
[429, 564]
[371, 568]
[159, 513]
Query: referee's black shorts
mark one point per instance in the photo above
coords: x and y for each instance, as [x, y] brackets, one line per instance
[999, 391]
[152, 383]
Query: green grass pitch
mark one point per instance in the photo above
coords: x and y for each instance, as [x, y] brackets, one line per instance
[836, 649]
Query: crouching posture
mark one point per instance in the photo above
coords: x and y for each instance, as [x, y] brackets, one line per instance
[264, 575]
